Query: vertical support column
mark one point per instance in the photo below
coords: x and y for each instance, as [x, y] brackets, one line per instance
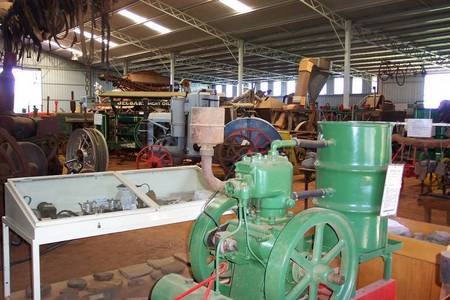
[36, 270]
[6, 263]
[235, 91]
[348, 41]
[240, 67]
[125, 67]
[270, 86]
[283, 88]
[330, 86]
[172, 70]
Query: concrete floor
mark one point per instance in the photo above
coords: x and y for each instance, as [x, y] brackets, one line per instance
[86, 256]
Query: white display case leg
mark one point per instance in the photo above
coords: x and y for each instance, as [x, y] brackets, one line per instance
[36, 271]
[6, 262]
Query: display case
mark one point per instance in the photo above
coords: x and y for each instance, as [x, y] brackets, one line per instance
[56, 208]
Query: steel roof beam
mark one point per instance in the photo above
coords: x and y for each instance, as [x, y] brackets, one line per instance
[250, 48]
[377, 37]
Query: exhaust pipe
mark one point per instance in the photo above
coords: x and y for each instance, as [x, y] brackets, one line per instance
[207, 131]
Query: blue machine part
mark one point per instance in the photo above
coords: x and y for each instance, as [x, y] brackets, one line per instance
[257, 123]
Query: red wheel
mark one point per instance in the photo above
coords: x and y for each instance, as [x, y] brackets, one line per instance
[154, 156]
[240, 142]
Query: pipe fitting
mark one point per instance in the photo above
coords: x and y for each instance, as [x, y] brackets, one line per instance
[310, 194]
[277, 144]
[312, 143]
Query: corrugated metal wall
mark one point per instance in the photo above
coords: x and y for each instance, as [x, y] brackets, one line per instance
[336, 100]
[410, 92]
[59, 77]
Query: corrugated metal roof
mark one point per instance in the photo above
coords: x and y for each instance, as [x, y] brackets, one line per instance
[286, 25]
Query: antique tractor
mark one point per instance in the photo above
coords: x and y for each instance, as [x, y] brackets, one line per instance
[267, 251]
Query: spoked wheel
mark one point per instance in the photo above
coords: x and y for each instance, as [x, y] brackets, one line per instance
[154, 156]
[200, 254]
[140, 133]
[102, 148]
[88, 147]
[13, 162]
[301, 261]
[36, 158]
[240, 142]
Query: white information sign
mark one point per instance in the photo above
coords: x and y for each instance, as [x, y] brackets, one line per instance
[421, 128]
[98, 119]
[392, 187]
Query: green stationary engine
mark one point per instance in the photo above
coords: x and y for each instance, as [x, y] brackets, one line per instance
[270, 253]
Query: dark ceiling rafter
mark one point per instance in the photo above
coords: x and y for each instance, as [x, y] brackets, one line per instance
[228, 40]
[379, 38]
[300, 33]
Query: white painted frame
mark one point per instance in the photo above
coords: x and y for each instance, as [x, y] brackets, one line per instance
[20, 218]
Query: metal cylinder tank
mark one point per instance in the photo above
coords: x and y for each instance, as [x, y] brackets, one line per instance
[354, 166]
[178, 117]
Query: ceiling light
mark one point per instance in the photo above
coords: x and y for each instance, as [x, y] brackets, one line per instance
[139, 19]
[155, 26]
[132, 16]
[237, 6]
[96, 37]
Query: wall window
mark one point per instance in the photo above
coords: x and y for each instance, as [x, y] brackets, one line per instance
[264, 86]
[27, 89]
[290, 88]
[323, 91]
[229, 90]
[374, 84]
[357, 85]
[436, 90]
[338, 85]
[277, 88]
[219, 89]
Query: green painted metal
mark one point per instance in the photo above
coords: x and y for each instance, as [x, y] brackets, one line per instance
[261, 194]
[272, 254]
[172, 285]
[199, 253]
[354, 166]
[297, 266]
[269, 178]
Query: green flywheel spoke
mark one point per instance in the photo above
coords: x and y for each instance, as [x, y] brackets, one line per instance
[294, 250]
[333, 286]
[301, 261]
[327, 258]
[298, 288]
[318, 242]
[313, 287]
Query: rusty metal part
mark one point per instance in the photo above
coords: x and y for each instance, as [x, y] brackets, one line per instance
[421, 143]
[13, 162]
[154, 156]
[50, 145]
[138, 82]
[87, 147]
[35, 158]
[242, 141]
[312, 75]
[17, 126]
